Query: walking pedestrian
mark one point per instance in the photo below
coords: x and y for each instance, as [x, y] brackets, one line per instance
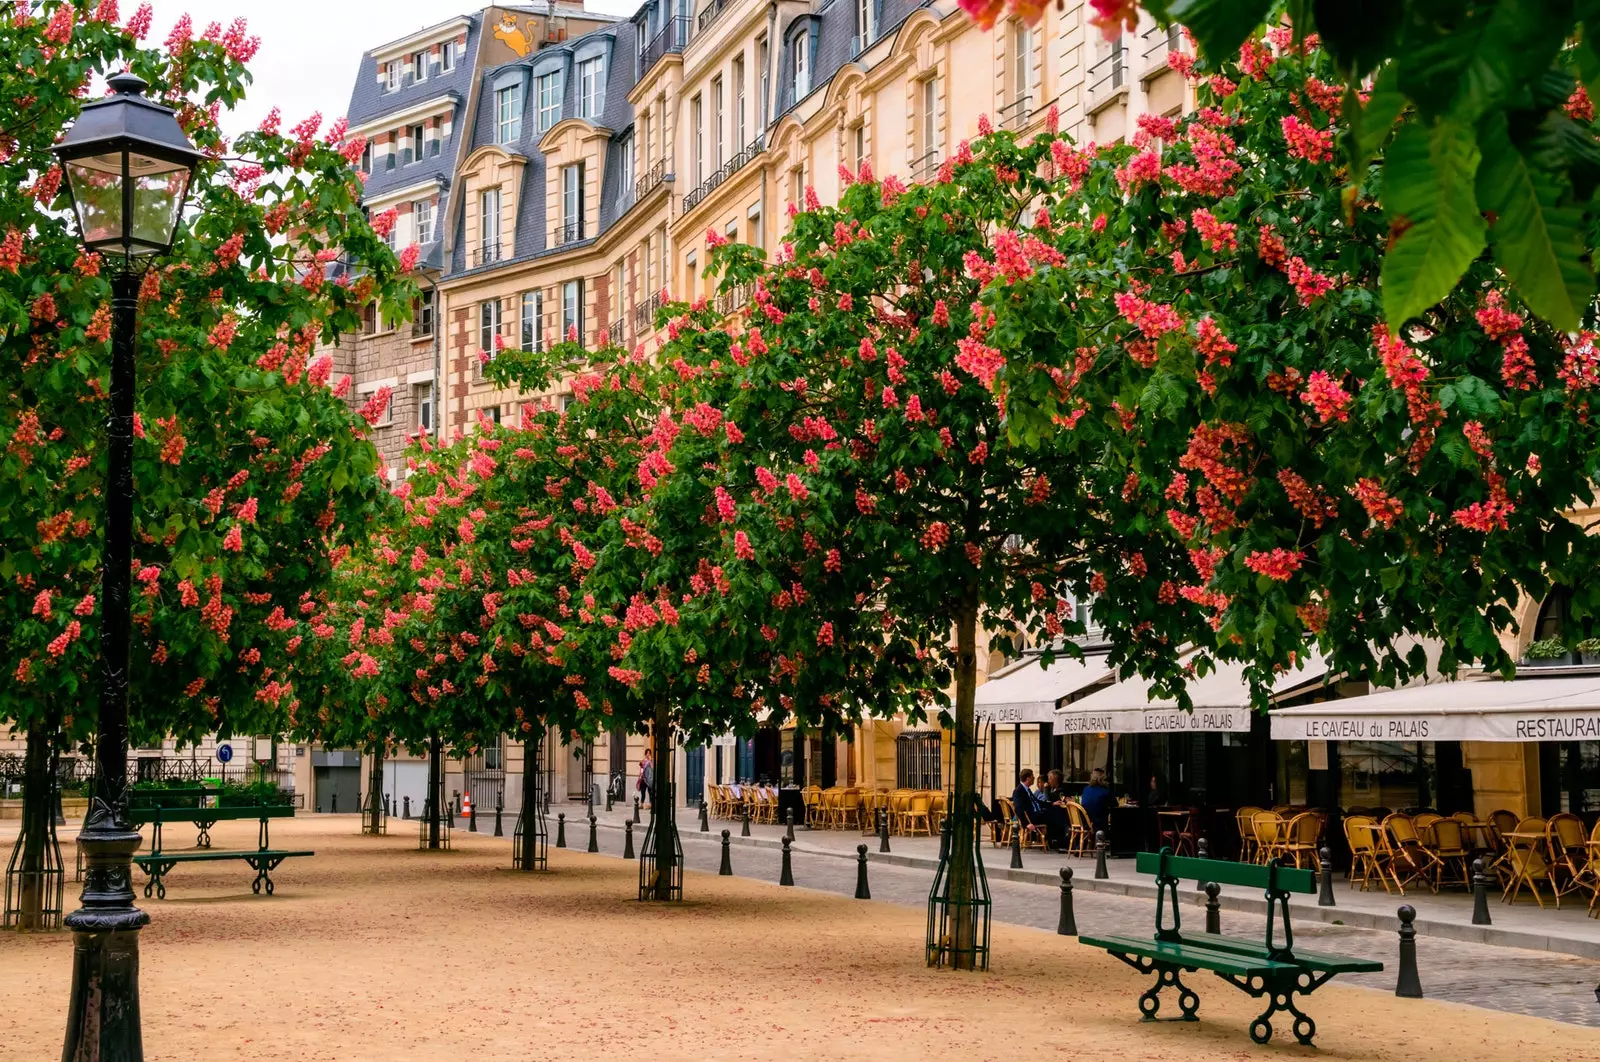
[647, 779]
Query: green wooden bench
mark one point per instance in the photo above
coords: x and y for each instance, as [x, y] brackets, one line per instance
[1264, 967]
[263, 859]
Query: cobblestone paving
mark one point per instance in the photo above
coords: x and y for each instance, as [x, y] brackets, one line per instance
[1540, 984]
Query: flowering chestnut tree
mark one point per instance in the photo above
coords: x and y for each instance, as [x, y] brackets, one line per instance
[1308, 468]
[248, 468]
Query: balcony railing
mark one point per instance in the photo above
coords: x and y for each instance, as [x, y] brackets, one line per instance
[485, 253]
[650, 181]
[570, 232]
[421, 327]
[615, 332]
[1109, 75]
[671, 38]
[733, 299]
[726, 170]
[925, 168]
[1015, 114]
[1158, 42]
[644, 314]
[709, 14]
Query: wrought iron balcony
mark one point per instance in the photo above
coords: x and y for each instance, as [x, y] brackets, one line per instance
[1158, 42]
[650, 181]
[925, 168]
[726, 170]
[570, 232]
[709, 14]
[1109, 75]
[671, 38]
[616, 331]
[485, 253]
[644, 314]
[733, 299]
[1015, 114]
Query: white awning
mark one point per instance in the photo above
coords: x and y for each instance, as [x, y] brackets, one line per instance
[1221, 702]
[1530, 707]
[1027, 692]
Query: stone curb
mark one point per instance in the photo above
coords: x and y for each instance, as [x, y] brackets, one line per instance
[1504, 938]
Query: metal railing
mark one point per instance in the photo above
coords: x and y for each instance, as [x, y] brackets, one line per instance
[617, 331]
[709, 14]
[421, 327]
[671, 38]
[644, 314]
[485, 253]
[650, 181]
[1109, 74]
[733, 299]
[569, 232]
[1015, 114]
[726, 170]
[926, 167]
[1158, 41]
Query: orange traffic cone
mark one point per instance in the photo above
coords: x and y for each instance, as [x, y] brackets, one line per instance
[466, 805]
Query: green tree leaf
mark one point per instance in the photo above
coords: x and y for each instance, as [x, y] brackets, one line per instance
[1219, 25]
[1538, 232]
[1436, 230]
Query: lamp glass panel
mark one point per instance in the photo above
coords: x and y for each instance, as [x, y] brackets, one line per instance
[97, 193]
[158, 191]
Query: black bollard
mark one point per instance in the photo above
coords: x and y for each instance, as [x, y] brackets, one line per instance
[594, 840]
[407, 807]
[1016, 844]
[627, 840]
[561, 830]
[1100, 847]
[787, 876]
[1480, 895]
[726, 869]
[1325, 897]
[455, 803]
[499, 809]
[1067, 926]
[744, 831]
[788, 820]
[1213, 907]
[705, 822]
[472, 819]
[386, 805]
[333, 803]
[1202, 851]
[608, 798]
[862, 892]
[1409, 984]
[636, 811]
[883, 829]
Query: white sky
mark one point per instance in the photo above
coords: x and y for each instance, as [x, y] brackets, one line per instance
[310, 49]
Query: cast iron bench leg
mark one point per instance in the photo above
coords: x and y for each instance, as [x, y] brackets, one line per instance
[157, 872]
[1280, 992]
[203, 840]
[262, 868]
[1167, 975]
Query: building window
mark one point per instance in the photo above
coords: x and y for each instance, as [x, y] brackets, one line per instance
[867, 21]
[572, 201]
[391, 76]
[802, 65]
[549, 101]
[858, 142]
[617, 297]
[625, 146]
[697, 139]
[533, 320]
[366, 158]
[797, 185]
[419, 66]
[739, 138]
[488, 326]
[447, 57]
[424, 317]
[764, 58]
[589, 88]
[508, 112]
[414, 138]
[572, 309]
[928, 92]
[661, 243]
[716, 123]
[494, 414]
[489, 225]
[690, 261]
[1022, 59]
[422, 402]
[758, 238]
[422, 210]
[917, 760]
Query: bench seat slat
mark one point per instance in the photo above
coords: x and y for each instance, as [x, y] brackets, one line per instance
[208, 857]
[1321, 962]
[1186, 954]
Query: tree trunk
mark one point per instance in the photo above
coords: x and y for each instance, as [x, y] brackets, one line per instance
[375, 791]
[528, 815]
[38, 807]
[434, 805]
[662, 801]
[964, 788]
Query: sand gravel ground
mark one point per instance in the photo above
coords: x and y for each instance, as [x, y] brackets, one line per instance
[374, 951]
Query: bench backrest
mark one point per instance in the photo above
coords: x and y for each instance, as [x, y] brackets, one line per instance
[139, 816]
[1223, 872]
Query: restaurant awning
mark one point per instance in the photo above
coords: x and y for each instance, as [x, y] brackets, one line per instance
[1221, 702]
[1027, 692]
[1530, 707]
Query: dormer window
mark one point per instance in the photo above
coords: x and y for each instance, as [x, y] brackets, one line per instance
[802, 65]
[508, 111]
[419, 66]
[422, 210]
[549, 86]
[414, 141]
[391, 76]
[866, 23]
[447, 57]
[589, 88]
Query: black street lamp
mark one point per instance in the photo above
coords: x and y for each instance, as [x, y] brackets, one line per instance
[128, 167]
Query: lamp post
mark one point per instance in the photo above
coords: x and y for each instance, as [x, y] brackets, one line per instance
[128, 166]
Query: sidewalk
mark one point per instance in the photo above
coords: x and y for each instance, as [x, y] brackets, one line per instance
[1567, 931]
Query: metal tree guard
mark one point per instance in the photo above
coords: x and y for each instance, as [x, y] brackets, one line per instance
[949, 910]
[661, 855]
[530, 841]
[35, 899]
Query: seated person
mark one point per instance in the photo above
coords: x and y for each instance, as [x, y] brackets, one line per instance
[1097, 800]
[1034, 810]
[1051, 791]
